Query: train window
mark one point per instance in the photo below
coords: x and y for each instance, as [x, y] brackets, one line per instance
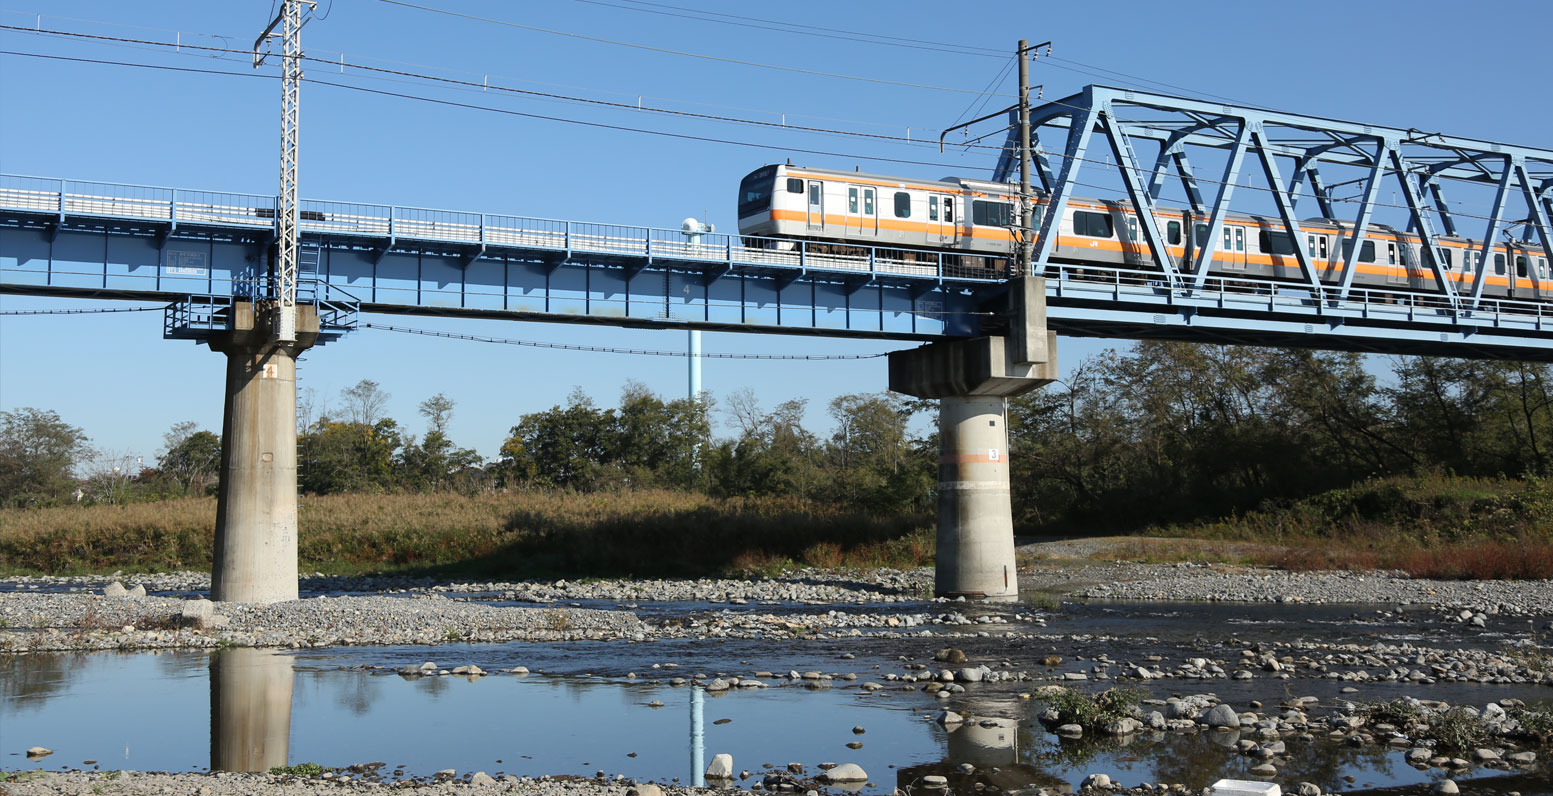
[1498, 264]
[814, 194]
[932, 208]
[1229, 240]
[1132, 228]
[1240, 239]
[1201, 231]
[852, 201]
[1037, 213]
[992, 214]
[902, 204]
[755, 194]
[1275, 242]
[1173, 233]
[794, 185]
[948, 210]
[1391, 253]
[1095, 225]
[868, 201]
[1520, 265]
[1542, 268]
[1367, 252]
[1310, 245]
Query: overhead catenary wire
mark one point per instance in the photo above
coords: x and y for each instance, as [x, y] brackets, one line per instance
[615, 350]
[471, 85]
[683, 53]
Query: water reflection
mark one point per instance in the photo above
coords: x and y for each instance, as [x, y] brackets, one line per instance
[250, 709]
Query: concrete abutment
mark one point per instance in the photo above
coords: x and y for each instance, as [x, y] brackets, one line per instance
[972, 380]
[256, 507]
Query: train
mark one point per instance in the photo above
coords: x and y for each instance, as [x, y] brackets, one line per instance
[973, 220]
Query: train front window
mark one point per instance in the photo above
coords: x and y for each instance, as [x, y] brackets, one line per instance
[755, 193]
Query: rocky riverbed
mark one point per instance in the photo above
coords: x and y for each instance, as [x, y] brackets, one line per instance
[1227, 681]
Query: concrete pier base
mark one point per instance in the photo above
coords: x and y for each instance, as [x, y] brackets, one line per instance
[256, 507]
[972, 379]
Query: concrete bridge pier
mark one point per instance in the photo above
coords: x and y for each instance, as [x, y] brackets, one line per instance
[972, 380]
[256, 508]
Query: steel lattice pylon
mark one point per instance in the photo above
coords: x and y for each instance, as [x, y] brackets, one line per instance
[287, 254]
[1421, 163]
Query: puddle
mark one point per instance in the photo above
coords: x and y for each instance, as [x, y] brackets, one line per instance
[245, 709]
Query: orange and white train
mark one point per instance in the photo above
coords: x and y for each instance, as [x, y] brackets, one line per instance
[975, 219]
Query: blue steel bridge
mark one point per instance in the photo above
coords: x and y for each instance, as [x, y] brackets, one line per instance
[199, 251]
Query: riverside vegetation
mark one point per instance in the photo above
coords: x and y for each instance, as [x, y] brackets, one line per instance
[1438, 467]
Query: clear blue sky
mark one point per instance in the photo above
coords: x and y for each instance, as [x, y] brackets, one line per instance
[1431, 65]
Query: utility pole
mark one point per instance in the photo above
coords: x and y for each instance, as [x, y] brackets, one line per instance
[1024, 232]
[286, 214]
[1027, 230]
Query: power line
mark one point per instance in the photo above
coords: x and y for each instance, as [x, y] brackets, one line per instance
[787, 27]
[613, 350]
[684, 53]
[82, 311]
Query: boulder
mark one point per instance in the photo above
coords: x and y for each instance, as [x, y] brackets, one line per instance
[138, 590]
[846, 772]
[38, 752]
[481, 778]
[648, 789]
[198, 613]
[950, 655]
[721, 767]
[1222, 716]
[115, 589]
[1095, 781]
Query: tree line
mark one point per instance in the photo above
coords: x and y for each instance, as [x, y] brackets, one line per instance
[1160, 433]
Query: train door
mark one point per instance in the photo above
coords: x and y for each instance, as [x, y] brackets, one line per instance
[861, 219]
[943, 225]
[1522, 280]
[1233, 253]
[816, 213]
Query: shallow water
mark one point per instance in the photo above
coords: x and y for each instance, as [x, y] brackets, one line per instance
[248, 709]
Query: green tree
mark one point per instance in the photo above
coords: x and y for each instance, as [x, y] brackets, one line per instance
[872, 460]
[656, 442]
[38, 453]
[190, 458]
[562, 447]
[772, 455]
[435, 462]
[340, 457]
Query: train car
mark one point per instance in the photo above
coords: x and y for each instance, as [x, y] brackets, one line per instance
[840, 211]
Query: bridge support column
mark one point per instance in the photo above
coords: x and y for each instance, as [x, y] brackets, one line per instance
[256, 508]
[973, 380]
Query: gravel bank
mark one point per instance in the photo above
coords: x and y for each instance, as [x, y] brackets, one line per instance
[132, 783]
[82, 621]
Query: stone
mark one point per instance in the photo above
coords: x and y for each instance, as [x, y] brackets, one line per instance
[1243, 787]
[1522, 758]
[472, 671]
[1485, 755]
[935, 781]
[846, 772]
[1052, 660]
[1177, 709]
[481, 778]
[647, 789]
[970, 674]
[718, 684]
[37, 752]
[1265, 770]
[950, 655]
[1418, 756]
[1222, 716]
[949, 717]
[858, 730]
[518, 670]
[1095, 781]
[1307, 789]
[197, 613]
[139, 590]
[721, 767]
[447, 774]
[1070, 730]
[1123, 727]
[1447, 787]
[1156, 720]
[115, 589]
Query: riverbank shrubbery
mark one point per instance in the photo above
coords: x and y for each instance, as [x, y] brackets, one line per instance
[517, 534]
